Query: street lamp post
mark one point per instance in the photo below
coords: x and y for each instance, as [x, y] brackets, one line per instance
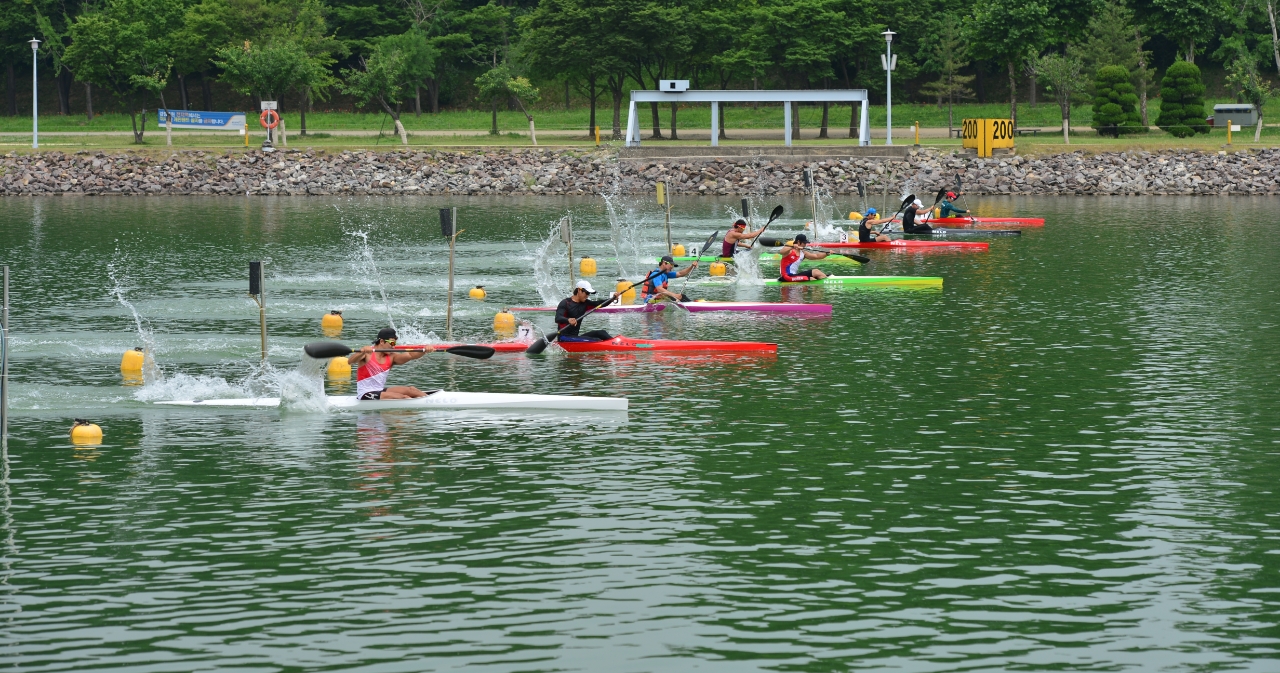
[35, 120]
[888, 85]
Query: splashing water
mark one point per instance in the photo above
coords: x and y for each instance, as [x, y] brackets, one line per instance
[546, 261]
[625, 225]
[300, 388]
[151, 371]
[366, 270]
[827, 220]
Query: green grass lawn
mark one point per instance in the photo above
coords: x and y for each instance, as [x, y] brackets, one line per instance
[694, 116]
[469, 128]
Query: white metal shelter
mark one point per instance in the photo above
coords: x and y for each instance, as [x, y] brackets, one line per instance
[715, 97]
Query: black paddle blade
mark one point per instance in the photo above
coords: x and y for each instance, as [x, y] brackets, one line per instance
[959, 187]
[707, 246]
[777, 212]
[858, 258]
[537, 346]
[941, 193]
[323, 350]
[771, 242]
[477, 352]
[907, 201]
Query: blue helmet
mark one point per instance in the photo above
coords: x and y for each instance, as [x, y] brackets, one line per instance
[871, 211]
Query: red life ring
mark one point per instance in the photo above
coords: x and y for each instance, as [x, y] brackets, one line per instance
[269, 114]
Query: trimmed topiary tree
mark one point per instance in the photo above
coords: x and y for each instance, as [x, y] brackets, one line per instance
[1182, 101]
[1115, 103]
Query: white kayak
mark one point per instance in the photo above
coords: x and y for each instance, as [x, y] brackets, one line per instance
[441, 399]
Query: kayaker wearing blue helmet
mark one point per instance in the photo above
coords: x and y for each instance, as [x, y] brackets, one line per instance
[865, 231]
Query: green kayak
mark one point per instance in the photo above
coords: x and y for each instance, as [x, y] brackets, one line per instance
[767, 257]
[872, 281]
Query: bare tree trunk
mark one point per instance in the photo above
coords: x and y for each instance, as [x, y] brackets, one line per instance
[853, 120]
[88, 101]
[591, 93]
[302, 110]
[1013, 94]
[1142, 66]
[206, 91]
[11, 91]
[494, 131]
[1191, 51]
[795, 121]
[182, 92]
[826, 108]
[566, 95]
[1031, 88]
[1275, 39]
[417, 100]
[1066, 123]
[615, 88]
[64, 91]
[433, 90]
[674, 107]
[1257, 130]
[723, 108]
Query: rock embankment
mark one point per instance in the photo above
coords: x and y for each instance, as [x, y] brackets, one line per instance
[567, 172]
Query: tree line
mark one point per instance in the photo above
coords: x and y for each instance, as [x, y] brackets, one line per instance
[397, 55]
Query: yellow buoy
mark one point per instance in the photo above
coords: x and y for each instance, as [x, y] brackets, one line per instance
[677, 250]
[339, 368]
[84, 432]
[626, 295]
[587, 267]
[331, 321]
[855, 215]
[718, 268]
[477, 292]
[131, 362]
[504, 321]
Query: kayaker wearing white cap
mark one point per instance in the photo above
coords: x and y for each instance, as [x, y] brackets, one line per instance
[573, 307]
[909, 215]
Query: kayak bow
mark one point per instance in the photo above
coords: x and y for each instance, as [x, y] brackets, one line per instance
[625, 345]
[755, 306]
[869, 281]
[440, 399]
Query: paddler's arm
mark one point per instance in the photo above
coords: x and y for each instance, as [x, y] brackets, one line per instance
[360, 355]
[687, 270]
[401, 358]
[815, 254]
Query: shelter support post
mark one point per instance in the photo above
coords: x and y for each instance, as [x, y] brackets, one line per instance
[864, 127]
[786, 122]
[633, 126]
[715, 124]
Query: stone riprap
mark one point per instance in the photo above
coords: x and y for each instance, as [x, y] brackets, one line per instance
[568, 172]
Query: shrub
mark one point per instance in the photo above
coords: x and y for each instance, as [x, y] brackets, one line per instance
[1182, 101]
[1115, 105]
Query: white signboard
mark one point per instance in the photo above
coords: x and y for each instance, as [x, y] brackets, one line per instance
[269, 105]
[208, 121]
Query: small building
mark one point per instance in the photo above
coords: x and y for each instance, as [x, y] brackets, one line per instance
[1233, 113]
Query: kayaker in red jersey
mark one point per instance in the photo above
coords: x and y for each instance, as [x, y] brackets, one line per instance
[736, 238]
[866, 230]
[371, 377]
[793, 254]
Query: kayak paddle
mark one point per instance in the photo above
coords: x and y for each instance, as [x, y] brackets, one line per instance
[905, 202]
[698, 254]
[774, 242]
[777, 212]
[542, 342]
[960, 195]
[323, 350]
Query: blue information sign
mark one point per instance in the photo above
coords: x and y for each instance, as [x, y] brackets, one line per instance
[210, 121]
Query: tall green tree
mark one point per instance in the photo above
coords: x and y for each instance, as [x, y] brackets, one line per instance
[17, 25]
[1247, 83]
[1182, 101]
[947, 59]
[500, 84]
[1009, 32]
[126, 47]
[1064, 77]
[1189, 23]
[388, 74]
[1115, 103]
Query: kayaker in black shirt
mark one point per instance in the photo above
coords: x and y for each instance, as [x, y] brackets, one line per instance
[866, 230]
[572, 309]
[909, 225]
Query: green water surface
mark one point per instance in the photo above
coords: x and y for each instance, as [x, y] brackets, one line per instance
[1064, 460]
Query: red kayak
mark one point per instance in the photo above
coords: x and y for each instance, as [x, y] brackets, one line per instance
[625, 345]
[983, 221]
[909, 244]
[501, 346]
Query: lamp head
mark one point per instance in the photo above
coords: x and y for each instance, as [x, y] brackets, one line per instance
[888, 36]
[35, 44]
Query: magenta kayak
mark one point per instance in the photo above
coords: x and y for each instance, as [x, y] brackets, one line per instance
[635, 308]
[755, 306]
